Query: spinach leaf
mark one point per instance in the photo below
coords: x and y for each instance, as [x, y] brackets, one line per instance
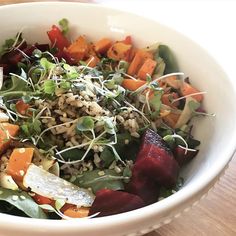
[100, 179]
[107, 156]
[165, 53]
[73, 154]
[17, 88]
[23, 202]
[127, 151]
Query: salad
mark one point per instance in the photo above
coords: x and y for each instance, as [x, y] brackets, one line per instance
[90, 129]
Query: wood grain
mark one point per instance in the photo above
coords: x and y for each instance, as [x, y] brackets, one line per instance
[213, 216]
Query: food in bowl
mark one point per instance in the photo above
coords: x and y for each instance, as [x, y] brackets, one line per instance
[91, 129]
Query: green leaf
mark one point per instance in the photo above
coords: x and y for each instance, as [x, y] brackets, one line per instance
[64, 24]
[73, 154]
[23, 202]
[155, 101]
[49, 87]
[107, 156]
[193, 105]
[7, 46]
[98, 179]
[85, 123]
[166, 54]
[37, 126]
[17, 88]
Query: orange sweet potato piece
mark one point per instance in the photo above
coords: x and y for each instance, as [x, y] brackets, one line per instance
[187, 89]
[19, 162]
[138, 59]
[79, 49]
[92, 61]
[167, 97]
[147, 69]
[6, 132]
[131, 84]
[102, 45]
[74, 211]
[119, 51]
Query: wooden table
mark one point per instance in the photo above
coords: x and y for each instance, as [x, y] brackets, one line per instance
[213, 216]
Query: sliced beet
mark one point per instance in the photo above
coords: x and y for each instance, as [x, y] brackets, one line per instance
[145, 188]
[155, 161]
[16, 56]
[42, 47]
[162, 169]
[65, 55]
[183, 158]
[110, 202]
[151, 140]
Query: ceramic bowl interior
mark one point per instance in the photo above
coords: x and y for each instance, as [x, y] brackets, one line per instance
[217, 134]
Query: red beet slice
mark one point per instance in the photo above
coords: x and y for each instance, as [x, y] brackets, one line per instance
[162, 169]
[110, 202]
[151, 140]
[65, 55]
[145, 188]
[155, 161]
[183, 158]
[42, 47]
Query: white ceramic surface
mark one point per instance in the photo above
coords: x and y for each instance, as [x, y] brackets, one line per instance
[217, 134]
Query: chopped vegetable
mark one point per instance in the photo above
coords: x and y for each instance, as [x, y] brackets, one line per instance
[22, 107]
[119, 51]
[102, 45]
[110, 202]
[74, 211]
[132, 85]
[139, 58]
[165, 53]
[7, 131]
[79, 49]
[42, 200]
[53, 187]
[186, 89]
[147, 69]
[19, 162]
[23, 202]
[57, 38]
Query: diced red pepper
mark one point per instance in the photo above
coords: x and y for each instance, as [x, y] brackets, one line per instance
[42, 200]
[57, 38]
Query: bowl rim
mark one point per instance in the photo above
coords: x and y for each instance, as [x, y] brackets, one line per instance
[150, 211]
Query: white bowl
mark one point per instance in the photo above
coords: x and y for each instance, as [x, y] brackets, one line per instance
[217, 134]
